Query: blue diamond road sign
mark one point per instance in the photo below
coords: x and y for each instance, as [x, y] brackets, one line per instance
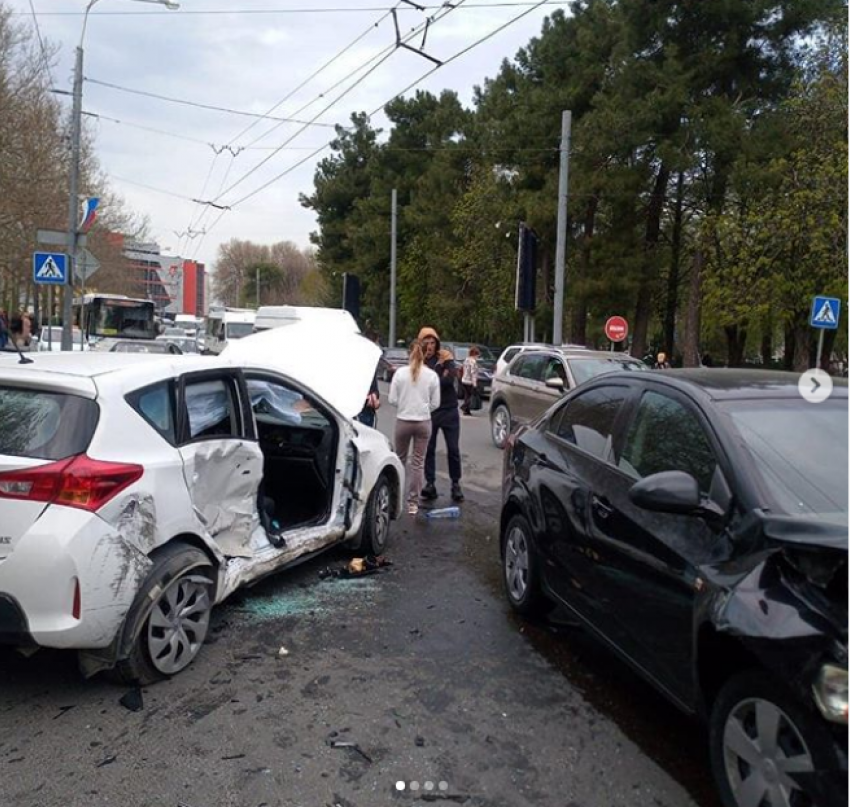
[825, 313]
[50, 268]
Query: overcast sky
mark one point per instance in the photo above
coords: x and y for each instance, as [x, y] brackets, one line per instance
[248, 61]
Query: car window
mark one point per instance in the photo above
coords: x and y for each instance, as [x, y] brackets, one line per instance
[554, 369]
[530, 367]
[509, 354]
[45, 425]
[156, 405]
[667, 436]
[587, 421]
[585, 369]
[275, 404]
[209, 405]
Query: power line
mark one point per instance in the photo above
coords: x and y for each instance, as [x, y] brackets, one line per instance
[424, 26]
[199, 105]
[42, 48]
[409, 87]
[297, 10]
[196, 219]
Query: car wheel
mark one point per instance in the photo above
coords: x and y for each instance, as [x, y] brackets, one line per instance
[765, 746]
[500, 425]
[521, 570]
[168, 621]
[376, 519]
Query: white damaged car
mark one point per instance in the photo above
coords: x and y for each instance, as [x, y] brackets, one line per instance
[138, 491]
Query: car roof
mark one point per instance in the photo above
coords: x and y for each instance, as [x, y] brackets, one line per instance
[721, 383]
[581, 353]
[94, 364]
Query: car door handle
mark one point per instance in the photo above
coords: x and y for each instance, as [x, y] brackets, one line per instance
[602, 508]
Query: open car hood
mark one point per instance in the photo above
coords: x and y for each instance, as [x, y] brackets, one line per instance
[335, 363]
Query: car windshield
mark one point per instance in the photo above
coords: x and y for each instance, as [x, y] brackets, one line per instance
[236, 330]
[141, 347]
[396, 355]
[800, 451]
[585, 369]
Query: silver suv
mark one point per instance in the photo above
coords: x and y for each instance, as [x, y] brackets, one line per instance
[536, 378]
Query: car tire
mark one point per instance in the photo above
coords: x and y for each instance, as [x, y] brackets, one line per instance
[736, 733]
[376, 520]
[521, 570]
[181, 577]
[500, 425]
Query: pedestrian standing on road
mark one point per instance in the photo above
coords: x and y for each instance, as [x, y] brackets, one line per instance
[415, 390]
[4, 328]
[469, 379]
[368, 415]
[661, 362]
[446, 418]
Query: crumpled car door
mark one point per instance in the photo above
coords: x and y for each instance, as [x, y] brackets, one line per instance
[222, 468]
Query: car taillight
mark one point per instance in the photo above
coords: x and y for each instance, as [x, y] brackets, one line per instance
[76, 482]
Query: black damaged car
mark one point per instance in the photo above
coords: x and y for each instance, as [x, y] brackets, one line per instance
[696, 522]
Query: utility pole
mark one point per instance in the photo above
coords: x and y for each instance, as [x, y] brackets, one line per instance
[561, 246]
[393, 267]
[73, 203]
[258, 287]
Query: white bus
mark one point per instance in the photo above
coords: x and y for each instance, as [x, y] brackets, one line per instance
[226, 324]
[114, 316]
[277, 316]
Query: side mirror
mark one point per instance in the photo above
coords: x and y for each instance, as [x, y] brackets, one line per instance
[555, 383]
[667, 492]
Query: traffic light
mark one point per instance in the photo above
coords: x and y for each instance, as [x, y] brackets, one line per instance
[351, 295]
[526, 270]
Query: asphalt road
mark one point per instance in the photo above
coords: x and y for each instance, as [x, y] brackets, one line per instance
[423, 669]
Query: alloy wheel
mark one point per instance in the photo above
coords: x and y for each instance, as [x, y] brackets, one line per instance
[516, 564]
[382, 515]
[501, 426]
[178, 623]
[762, 752]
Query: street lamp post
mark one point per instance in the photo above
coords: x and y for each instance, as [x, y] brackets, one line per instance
[73, 198]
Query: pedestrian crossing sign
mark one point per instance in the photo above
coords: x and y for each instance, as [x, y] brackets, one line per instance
[825, 313]
[50, 268]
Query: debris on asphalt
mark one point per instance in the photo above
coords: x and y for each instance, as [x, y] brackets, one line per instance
[233, 756]
[352, 746]
[458, 798]
[358, 567]
[63, 710]
[107, 761]
[132, 700]
[443, 512]
[283, 652]
[420, 742]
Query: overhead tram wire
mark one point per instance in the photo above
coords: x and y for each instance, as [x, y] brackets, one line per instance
[197, 218]
[493, 4]
[197, 104]
[42, 49]
[409, 87]
[413, 33]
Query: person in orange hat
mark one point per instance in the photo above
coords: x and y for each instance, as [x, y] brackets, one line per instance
[445, 418]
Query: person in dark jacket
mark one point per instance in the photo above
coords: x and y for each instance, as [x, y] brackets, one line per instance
[445, 418]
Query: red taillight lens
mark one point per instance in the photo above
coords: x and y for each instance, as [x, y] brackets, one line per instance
[77, 482]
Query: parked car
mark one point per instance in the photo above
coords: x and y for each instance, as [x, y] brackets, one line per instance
[187, 344]
[138, 492]
[696, 523]
[392, 359]
[507, 355]
[50, 340]
[486, 365]
[159, 346]
[537, 378]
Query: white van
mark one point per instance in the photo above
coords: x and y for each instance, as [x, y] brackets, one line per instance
[189, 323]
[227, 324]
[276, 316]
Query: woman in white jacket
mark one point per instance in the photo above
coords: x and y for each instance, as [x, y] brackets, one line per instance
[415, 390]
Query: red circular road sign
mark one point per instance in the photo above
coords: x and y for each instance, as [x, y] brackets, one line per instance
[616, 329]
